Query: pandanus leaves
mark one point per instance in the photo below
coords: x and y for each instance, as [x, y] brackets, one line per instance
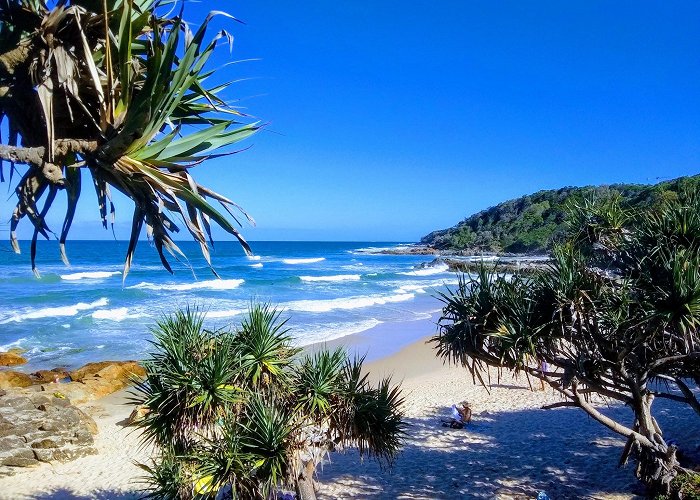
[120, 88]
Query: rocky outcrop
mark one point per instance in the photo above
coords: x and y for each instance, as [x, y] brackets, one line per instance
[506, 265]
[40, 426]
[11, 358]
[46, 376]
[96, 380]
[10, 379]
[121, 370]
[90, 382]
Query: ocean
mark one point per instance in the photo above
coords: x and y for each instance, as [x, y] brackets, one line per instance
[327, 290]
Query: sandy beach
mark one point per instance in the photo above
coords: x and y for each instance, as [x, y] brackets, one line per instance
[512, 449]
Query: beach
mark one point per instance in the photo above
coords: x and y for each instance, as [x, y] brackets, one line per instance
[512, 448]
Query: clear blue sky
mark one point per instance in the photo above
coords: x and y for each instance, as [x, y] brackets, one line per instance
[390, 119]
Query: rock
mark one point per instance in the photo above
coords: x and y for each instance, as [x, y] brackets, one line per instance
[9, 443]
[19, 402]
[82, 437]
[96, 380]
[109, 369]
[22, 457]
[48, 376]
[138, 414]
[11, 359]
[44, 454]
[10, 379]
[88, 422]
[46, 443]
[38, 426]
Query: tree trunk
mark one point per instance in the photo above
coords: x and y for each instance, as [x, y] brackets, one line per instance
[657, 466]
[305, 482]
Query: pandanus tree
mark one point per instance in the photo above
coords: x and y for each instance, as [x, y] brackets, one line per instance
[118, 90]
[615, 316]
[243, 413]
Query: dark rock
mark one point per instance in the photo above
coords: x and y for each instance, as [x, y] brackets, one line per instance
[48, 376]
[138, 414]
[48, 443]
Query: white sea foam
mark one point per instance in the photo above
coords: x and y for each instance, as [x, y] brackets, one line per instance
[117, 314]
[51, 312]
[338, 277]
[199, 285]
[318, 306]
[423, 287]
[258, 265]
[226, 313]
[95, 275]
[11, 345]
[330, 331]
[304, 261]
[372, 250]
[254, 257]
[428, 271]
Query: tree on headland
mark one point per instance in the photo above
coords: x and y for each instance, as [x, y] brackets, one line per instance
[241, 413]
[119, 89]
[616, 316]
[532, 223]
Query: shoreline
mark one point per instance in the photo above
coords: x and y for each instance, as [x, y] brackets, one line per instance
[512, 449]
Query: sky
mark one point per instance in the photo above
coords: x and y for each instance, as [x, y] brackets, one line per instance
[387, 120]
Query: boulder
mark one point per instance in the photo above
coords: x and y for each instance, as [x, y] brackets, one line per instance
[96, 380]
[138, 414]
[109, 369]
[10, 379]
[11, 359]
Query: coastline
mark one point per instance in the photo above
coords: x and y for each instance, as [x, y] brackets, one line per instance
[512, 449]
[469, 261]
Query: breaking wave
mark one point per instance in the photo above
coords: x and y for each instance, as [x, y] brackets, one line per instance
[319, 306]
[198, 285]
[304, 261]
[95, 275]
[52, 312]
[338, 277]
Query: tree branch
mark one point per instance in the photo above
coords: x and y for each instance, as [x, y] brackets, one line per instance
[35, 156]
[689, 396]
[559, 405]
[672, 359]
[610, 423]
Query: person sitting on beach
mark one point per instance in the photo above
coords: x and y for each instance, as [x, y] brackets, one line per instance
[460, 416]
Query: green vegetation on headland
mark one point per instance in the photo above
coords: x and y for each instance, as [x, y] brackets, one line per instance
[530, 224]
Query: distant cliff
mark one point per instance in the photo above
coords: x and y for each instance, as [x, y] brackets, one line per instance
[530, 223]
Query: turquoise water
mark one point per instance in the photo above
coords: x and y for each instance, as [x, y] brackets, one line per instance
[83, 313]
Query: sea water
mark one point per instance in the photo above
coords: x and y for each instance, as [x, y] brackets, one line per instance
[327, 290]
